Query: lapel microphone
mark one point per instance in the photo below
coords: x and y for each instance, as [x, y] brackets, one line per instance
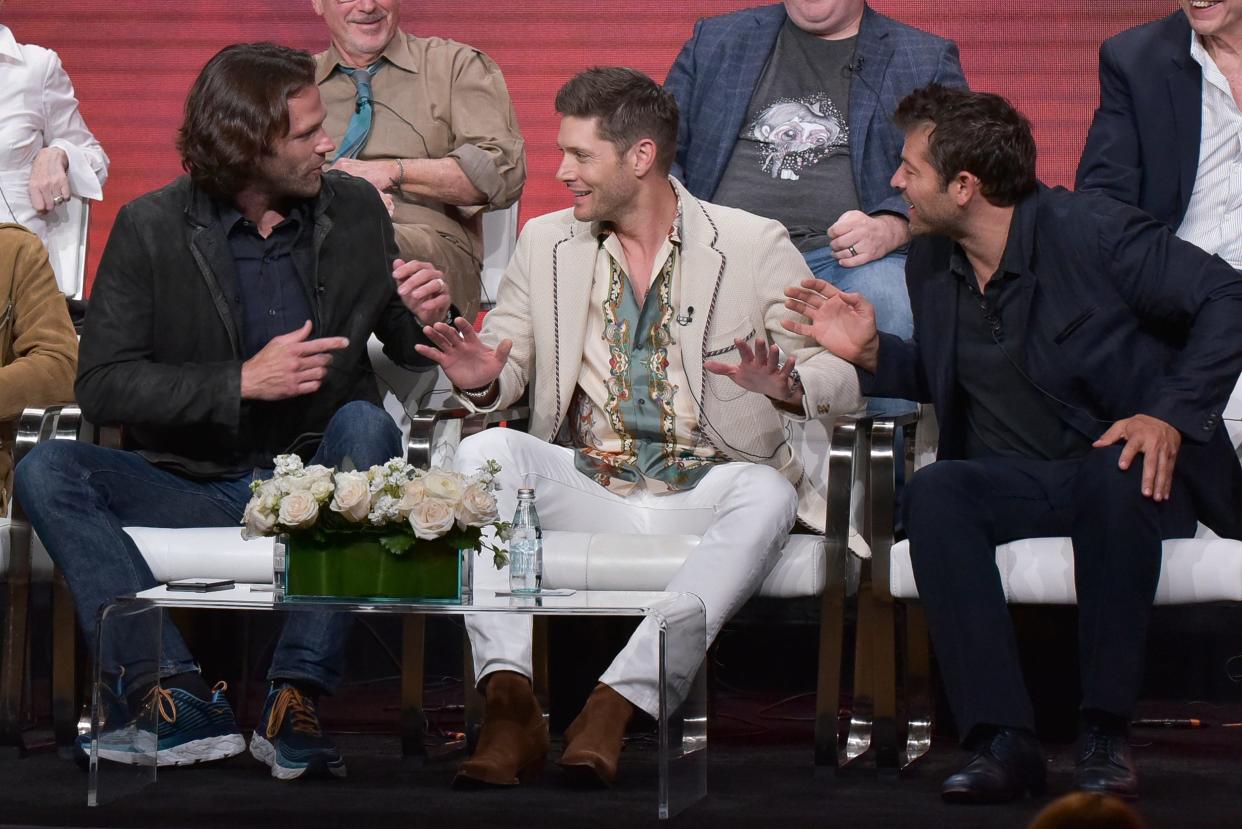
[686, 318]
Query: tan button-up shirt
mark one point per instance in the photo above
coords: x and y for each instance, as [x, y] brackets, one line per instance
[436, 98]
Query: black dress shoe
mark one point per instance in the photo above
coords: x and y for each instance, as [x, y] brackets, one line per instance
[1105, 765]
[1004, 768]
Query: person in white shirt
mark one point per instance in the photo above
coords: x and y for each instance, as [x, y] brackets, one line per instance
[47, 153]
[1167, 136]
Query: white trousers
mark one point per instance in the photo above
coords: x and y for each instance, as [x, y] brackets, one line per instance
[743, 511]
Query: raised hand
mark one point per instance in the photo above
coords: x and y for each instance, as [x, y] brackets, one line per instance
[422, 290]
[1159, 443]
[760, 371]
[466, 359]
[843, 323]
[290, 365]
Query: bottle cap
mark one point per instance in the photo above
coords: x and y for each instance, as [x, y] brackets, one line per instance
[526, 492]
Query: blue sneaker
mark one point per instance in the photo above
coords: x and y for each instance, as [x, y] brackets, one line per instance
[290, 740]
[188, 730]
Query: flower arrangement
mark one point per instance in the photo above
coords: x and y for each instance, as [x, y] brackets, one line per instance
[395, 502]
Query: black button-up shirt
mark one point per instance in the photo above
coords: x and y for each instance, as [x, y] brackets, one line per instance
[1006, 414]
[270, 293]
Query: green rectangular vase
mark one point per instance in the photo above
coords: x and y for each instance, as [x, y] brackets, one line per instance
[342, 566]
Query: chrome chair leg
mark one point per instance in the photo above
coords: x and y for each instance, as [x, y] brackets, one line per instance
[919, 701]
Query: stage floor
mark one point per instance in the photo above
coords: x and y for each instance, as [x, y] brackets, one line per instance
[1189, 779]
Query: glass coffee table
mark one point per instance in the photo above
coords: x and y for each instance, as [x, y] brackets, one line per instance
[137, 620]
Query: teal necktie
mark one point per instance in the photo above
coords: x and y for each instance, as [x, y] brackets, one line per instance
[359, 128]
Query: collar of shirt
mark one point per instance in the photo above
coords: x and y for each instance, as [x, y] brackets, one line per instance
[230, 217]
[8, 45]
[602, 230]
[397, 52]
[1211, 72]
[1019, 245]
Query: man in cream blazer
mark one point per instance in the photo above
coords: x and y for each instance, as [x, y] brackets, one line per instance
[647, 325]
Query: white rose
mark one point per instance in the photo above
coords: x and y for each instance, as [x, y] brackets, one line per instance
[321, 489]
[477, 507]
[298, 510]
[443, 485]
[412, 494]
[268, 496]
[432, 518]
[353, 496]
[257, 521]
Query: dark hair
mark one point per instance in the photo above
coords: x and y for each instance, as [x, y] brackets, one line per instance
[977, 132]
[629, 105]
[237, 108]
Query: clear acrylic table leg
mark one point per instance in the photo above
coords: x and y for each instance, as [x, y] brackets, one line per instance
[123, 741]
[683, 703]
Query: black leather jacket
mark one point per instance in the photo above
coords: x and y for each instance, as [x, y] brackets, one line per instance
[161, 353]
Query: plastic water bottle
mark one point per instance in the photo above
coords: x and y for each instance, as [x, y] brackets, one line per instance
[526, 546]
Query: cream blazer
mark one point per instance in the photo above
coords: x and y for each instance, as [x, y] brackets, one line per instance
[734, 270]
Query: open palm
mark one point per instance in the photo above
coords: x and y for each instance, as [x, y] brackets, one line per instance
[466, 359]
[841, 322]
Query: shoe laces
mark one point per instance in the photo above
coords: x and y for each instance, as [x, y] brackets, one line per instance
[290, 700]
[162, 700]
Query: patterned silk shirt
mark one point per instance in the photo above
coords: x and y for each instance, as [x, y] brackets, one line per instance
[633, 419]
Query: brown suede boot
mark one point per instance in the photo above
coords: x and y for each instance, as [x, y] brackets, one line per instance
[514, 741]
[594, 739]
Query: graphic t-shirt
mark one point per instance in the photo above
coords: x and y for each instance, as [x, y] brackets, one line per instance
[792, 158]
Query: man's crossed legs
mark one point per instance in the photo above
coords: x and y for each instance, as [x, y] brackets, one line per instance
[80, 496]
[743, 512]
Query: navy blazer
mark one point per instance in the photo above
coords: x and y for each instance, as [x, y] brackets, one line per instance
[717, 70]
[1122, 317]
[1143, 146]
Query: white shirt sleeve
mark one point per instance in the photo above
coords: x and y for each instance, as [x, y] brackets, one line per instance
[64, 128]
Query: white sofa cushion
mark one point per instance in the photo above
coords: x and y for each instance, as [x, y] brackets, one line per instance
[1041, 571]
[40, 562]
[204, 553]
[622, 561]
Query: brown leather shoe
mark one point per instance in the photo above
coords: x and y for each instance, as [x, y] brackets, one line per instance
[514, 741]
[594, 739]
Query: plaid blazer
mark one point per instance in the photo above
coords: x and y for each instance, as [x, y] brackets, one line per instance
[717, 70]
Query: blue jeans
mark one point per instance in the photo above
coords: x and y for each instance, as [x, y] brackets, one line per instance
[79, 496]
[883, 283]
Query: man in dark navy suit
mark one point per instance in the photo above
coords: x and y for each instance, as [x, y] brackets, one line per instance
[1165, 137]
[1079, 356]
[786, 114]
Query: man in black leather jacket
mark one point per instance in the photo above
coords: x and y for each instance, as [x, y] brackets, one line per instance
[229, 323]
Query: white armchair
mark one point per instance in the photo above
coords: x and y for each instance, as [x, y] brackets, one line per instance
[1038, 571]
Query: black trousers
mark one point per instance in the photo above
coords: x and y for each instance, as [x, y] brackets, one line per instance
[957, 512]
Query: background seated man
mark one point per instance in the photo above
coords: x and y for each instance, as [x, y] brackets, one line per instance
[229, 323]
[1079, 357]
[785, 113]
[1165, 136]
[646, 324]
[38, 349]
[428, 121]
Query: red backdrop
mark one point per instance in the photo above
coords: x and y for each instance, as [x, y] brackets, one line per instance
[132, 62]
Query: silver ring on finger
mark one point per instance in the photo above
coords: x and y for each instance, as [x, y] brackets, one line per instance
[853, 251]
[58, 200]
